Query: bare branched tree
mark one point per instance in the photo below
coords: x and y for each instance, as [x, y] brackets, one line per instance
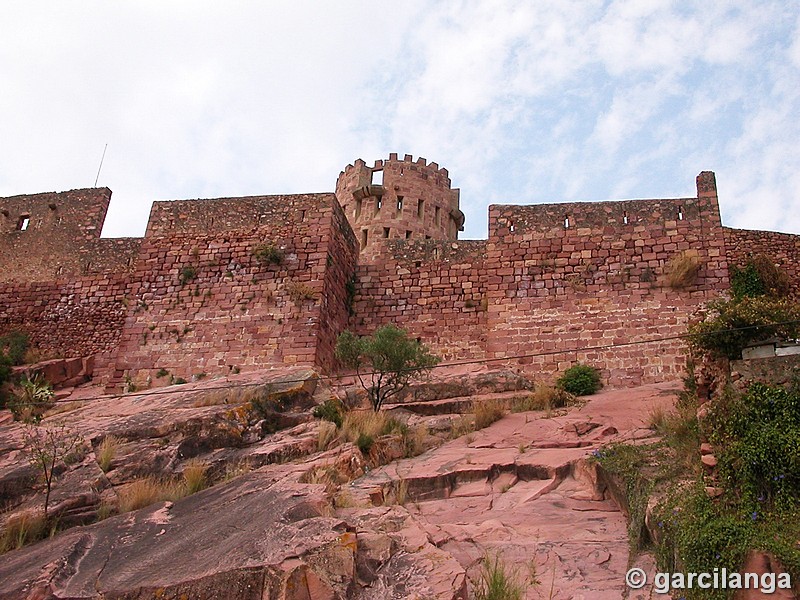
[47, 446]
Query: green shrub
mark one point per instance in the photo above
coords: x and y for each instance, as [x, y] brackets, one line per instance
[31, 399]
[13, 347]
[759, 277]
[364, 443]
[732, 325]
[580, 380]
[268, 254]
[758, 435]
[330, 410]
[187, 274]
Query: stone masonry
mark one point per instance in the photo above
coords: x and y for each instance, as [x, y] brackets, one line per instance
[234, 284]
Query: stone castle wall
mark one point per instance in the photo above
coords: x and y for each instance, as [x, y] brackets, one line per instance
[552, 284]
[783, 248]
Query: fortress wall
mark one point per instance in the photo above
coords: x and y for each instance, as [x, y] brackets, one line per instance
[68, 318]
[45, 237]
[782, 248]
[435, 289]
[203, 303]
[600, 281]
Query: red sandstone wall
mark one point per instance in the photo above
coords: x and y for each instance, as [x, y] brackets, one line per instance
[783, 248]
[62, 237]
[600, 281]
[234, 312]
[79, 317]
[434, 289]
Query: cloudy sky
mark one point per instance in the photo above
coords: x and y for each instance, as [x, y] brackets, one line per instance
[523, 102]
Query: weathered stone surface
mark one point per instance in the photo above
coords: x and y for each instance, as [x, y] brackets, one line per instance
[240, 540]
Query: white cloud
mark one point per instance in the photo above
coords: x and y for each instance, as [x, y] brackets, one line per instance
[543, 101]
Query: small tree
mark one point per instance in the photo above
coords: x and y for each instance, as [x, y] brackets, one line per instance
[384, 362]
[47, 446]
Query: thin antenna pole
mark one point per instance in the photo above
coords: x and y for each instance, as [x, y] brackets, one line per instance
[101, 165]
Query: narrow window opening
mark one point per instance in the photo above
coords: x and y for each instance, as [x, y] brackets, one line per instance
[566, 221]
[401, 172]
[437, 218]
[302, 215]
[511, 226]
[23, 222]
[386, 232]
[399, 203]
[680, 213]
[408, 234]
[625, 218]
[358, 209]
[378, 204]
[435, 253]
[377, 177]
[363, 238]
[420, 208]
[417, 263]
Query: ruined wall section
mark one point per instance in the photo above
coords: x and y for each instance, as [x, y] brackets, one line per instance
[782, 248]
[338, 293]
[398, 199]
[435, 289]
[572, 276]
[207, 301]
[45, 237]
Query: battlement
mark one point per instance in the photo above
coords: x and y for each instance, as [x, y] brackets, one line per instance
[192, 217]
[420, 168]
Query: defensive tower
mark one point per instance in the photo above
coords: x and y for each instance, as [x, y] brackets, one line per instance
[398, 199]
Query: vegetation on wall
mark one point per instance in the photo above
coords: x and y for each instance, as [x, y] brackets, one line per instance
[268, 254]
[759, 277]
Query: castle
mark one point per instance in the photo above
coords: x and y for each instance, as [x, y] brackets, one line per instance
[233, 284]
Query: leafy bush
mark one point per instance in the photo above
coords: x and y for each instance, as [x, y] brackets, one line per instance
[759, 277]
[330, 410]
[759, 437]
[268, 254]
[732, 325]
[580, 380]
[364, 443]
[13, 347]
[384, 362]
[187, 274]
[31, 400]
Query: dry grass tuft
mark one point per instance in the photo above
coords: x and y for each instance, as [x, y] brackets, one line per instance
[23, 529]
[235, 469]
[326, 435]
[682, 269]
[194, 476]
[106, 452]
[545, 398]
[368, 424]
[487, 413]
[462, 426]
[148, 490]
